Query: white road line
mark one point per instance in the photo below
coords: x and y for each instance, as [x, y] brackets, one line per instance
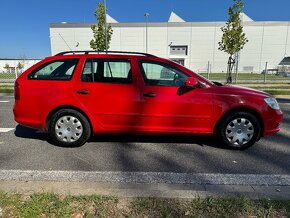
[145, 177]
[6, 129]
[4, 101]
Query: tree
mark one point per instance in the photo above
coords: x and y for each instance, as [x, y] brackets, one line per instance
[233, 39]
[99, 41]
[19, 66]
[7, 67]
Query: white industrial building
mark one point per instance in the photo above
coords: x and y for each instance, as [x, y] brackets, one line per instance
[13, 66]
[194, 44]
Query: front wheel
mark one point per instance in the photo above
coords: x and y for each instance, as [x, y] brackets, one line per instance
[239, 130]
[69, 128]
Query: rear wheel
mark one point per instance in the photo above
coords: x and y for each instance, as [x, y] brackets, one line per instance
[69, 128]
[239, 130]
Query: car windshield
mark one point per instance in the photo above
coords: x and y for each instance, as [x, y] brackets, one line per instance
[209, 81]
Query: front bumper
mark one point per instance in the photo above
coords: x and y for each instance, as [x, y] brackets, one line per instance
[272, 122]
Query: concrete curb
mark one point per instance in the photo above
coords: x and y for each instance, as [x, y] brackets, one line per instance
[142, 184]
[145, 177]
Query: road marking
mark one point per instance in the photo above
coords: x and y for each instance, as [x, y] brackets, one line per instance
[6, 129]
[146, 177]
[4, 101]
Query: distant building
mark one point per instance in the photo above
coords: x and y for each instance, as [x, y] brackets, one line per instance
[16, 65]
[193, 44]
[284, 67]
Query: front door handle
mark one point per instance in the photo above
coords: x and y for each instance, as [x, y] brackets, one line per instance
[83, 92]
[149, 95]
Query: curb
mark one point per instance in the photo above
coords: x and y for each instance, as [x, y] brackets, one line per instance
[142, 184]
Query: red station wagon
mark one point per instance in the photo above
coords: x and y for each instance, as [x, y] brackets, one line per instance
[74, 95]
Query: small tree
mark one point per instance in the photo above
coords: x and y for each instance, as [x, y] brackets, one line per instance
[233, 39]
[99, 41]
[19, 67]
[7, 67]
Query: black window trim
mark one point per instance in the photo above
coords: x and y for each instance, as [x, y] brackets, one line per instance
[49, 62]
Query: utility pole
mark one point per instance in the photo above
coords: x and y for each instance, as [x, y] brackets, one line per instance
[106, 37]
[146, 16]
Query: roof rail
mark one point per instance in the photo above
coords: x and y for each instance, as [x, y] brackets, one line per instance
[112, 52]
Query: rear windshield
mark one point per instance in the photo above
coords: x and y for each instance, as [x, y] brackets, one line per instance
[55, 70]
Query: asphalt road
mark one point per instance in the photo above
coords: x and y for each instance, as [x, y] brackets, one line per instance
[27, 149]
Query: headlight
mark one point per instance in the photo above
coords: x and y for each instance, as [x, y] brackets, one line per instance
[272, 103]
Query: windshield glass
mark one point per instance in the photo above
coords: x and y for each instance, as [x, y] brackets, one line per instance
[203, 78]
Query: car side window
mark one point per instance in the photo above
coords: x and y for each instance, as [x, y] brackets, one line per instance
[108, 71]
[55, 70]
[160, 74]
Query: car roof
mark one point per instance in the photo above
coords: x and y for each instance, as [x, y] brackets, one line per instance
[105, 53]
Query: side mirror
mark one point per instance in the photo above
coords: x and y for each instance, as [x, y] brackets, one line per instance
[191, 82]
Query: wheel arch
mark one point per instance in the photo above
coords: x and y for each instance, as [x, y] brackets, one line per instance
[51, 113]
[242, 109]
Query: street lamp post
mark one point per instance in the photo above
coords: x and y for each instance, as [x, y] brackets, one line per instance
[146, 16]
[106, 37]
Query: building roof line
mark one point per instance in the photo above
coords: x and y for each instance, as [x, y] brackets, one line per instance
[175, 24]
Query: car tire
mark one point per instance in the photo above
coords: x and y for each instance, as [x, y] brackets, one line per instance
[69, 128]
[238, 130]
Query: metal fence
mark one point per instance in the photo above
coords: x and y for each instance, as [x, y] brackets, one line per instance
[280, 74]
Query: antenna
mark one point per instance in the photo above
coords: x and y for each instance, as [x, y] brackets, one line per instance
[65, 42]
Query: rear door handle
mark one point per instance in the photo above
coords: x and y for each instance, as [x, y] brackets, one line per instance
[149, 95]
[83, 92]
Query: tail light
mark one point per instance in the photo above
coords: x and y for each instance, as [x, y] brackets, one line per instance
[17, 91]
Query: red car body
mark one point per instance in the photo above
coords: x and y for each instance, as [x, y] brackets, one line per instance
[137, 107]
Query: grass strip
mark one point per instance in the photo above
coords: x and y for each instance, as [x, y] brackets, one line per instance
[51, 205]
[7, 76]
[6, 90]
[245, 76]
[269, 87]
[277, 92]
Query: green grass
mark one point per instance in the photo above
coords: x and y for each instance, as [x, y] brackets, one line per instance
[270, 87]
[51, 205]
[277, 92]
[7, 75]
[245, 76]
[6, 89]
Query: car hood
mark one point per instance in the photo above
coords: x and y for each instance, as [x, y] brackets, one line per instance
[239, 90]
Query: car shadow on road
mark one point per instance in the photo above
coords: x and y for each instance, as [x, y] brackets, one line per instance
[25, 132]
[160, 139]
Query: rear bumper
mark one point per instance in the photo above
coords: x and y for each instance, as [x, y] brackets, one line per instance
[27, 117]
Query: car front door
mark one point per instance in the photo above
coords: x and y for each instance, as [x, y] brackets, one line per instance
[168, 106]
[107, 89]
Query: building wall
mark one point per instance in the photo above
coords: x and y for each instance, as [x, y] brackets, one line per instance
[268, 42]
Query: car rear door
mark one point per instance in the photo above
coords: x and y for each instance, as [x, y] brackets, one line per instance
[108, 90]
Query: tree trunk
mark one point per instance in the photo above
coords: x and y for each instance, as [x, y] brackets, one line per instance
[231, 63]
